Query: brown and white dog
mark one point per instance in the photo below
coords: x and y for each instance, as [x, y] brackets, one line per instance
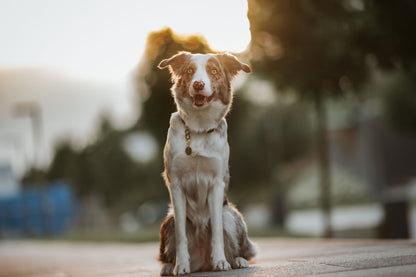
[204, 231]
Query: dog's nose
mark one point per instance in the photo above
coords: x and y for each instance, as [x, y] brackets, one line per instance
[198, 85]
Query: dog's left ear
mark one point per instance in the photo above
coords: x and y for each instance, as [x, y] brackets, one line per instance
[232, 64]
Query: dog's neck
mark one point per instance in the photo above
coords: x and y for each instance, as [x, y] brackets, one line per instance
[198, 130]
[199, 121]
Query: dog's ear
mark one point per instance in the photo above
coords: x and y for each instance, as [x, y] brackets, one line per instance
[175, 62]
[232, 64]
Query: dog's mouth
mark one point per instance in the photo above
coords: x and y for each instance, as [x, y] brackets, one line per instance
[200, 100]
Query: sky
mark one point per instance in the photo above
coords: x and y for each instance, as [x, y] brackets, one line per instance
[105, 39]
[74, 59]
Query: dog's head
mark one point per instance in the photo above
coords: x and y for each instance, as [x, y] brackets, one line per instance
[202, 81]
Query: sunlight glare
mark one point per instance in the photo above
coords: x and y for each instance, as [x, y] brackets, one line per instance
[104, 40]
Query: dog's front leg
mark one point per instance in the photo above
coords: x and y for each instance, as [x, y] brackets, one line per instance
[215, 203]
[179, 207]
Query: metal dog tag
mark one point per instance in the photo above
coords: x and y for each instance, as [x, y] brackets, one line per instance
[188, 150]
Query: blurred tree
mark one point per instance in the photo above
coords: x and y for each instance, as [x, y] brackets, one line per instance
[103, 169]
[62, 164]
[301, 44]
[383, 31]
[399, 104]
[34, 177]
[263, 139]
[321, 48]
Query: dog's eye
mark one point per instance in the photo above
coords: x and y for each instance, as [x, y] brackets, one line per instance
[190, 71]
[213, 71]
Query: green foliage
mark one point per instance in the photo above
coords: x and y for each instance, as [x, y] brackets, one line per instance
[321, 48]
[266, 138]
[304, 44]
[398, 101]
[386, 33]
[324, 46]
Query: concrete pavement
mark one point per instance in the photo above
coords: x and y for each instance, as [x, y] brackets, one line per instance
[277, 257]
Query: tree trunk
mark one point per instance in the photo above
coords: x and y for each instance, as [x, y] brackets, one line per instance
[324, 167]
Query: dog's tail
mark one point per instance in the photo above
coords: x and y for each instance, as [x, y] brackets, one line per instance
[247, 248]
[167, 240]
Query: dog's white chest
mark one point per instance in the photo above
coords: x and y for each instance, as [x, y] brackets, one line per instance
[211, 144]
[197, 173]
[208, 160]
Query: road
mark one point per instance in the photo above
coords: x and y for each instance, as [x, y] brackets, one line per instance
[277, 257]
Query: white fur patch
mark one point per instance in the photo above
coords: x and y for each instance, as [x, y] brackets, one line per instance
[201, 74]
[241, 262]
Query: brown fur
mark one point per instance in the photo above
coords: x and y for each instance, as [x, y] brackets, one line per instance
[227, 67]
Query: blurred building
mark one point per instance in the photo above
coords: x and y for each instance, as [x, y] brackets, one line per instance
[373, 168]
[385, 159]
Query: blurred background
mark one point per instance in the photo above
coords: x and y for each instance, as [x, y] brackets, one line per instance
[322, 133]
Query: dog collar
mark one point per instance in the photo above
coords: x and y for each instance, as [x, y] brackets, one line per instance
[188, 149]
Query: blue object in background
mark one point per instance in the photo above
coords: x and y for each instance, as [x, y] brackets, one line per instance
[11, 215]
[37, 212]
[31, 213]
[57, 208]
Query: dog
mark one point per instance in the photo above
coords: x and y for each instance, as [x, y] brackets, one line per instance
[202, 231]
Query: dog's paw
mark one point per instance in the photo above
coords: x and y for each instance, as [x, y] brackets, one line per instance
[240, 262]
[181, 268]
[221, 265]
[167, 270]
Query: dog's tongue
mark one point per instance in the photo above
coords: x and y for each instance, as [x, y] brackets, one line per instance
[199, 100]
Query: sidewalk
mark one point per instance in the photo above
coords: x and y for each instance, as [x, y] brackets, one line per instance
[277, 257]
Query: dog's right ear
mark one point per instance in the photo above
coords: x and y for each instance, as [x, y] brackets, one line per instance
[175, 62]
